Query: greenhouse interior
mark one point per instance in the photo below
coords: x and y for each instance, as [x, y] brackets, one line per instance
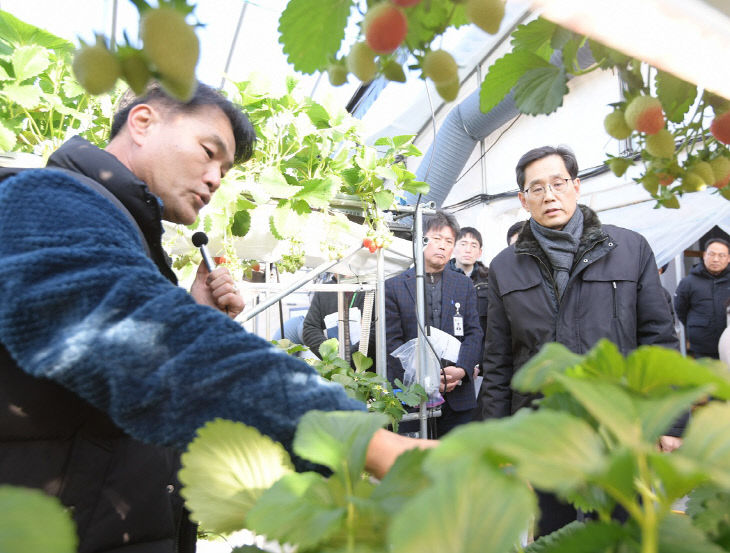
[308, 275]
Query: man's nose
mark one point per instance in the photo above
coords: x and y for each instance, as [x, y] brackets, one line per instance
[213, 179]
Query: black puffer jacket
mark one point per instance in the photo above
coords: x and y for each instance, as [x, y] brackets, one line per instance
[613, 292]
[700, 303]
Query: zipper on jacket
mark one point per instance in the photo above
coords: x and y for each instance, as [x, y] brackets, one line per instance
[615, 309]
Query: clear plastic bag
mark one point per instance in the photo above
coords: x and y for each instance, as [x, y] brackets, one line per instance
[406, 353]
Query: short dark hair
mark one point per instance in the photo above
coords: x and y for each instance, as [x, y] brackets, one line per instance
[718, 241]
[571, 163]
[516, 228]
[439, 220]
[243, 132]
[470, 231]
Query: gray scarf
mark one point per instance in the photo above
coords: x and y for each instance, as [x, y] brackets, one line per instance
[560, 246]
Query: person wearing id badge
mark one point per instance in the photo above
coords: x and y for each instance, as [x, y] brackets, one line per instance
[451, 306]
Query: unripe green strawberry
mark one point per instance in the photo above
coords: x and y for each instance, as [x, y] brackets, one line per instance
[393, 71]
[619, 165]
[385, 27]
[182, 90]
[704, 171]
[721, 170]
[720, 127]
[135, 70]
[448, 90]
[692, 182]
[172, 46]
[337, 74]
[361, 62]
[660, 144]
[440, 67]
[650, 182]
[616, 126]
[96, 68]
[485, 14]
[645, 114]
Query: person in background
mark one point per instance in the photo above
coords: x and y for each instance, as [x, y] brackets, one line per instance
[514, 231]
[321, 321]
[451, 306]
[700, 299]
[567, 279]
[466, 260]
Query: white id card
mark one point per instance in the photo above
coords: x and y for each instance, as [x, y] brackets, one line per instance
[458, 326]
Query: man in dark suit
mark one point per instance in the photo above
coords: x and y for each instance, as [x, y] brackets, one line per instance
[451, 306]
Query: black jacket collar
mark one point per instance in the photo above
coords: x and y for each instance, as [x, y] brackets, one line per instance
[81, 156]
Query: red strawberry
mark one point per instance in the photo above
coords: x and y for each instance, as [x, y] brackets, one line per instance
[645, 114]
[720, 127]
[385, 28]
[367, 243]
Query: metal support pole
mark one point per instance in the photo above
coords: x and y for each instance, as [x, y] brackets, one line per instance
[679, 275]
[381, 361]
[420, 313]
[326, 266]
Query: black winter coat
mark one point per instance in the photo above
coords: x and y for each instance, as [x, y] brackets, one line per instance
[700, 303]
[614, 292]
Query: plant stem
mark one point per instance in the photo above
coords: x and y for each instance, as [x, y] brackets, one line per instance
[350, 512]
[649, 523]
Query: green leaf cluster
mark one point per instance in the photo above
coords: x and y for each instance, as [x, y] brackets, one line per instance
[366, 386]
[41, 104]
[307, 155]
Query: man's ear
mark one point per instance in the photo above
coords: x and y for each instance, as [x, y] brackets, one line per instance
[139, 121]
[521, 196]
[576, 186]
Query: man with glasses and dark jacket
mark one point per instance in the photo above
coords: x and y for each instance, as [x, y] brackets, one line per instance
[567, 279]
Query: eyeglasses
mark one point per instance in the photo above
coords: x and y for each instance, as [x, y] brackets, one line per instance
[558, 186]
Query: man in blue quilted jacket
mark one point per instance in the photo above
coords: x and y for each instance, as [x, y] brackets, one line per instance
[107, 368]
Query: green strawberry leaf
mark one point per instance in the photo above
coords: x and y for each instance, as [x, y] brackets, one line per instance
[404, 480]
[362, 363]
[226, 469]
[8, 138]
[416, 187]
[311, 32]
[318, 193]
[426, 19]
[18, 33]
[241, 223]
[649, 369]
[476, 522]
[298, 509]
[707, 442]
[573, 538]
[273, 183]
[541, 90]
[29, 61]
[26, 96]
[540, 371]
[287, 222]
[30, 520]
[677, 534]
[553, 450]
[504, 74]
[338, 439]
[384, 199]
[318, 115]
[537, 36]
[676, 95]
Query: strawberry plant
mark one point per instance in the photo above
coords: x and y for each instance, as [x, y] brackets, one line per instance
[41, 104]
[306, 155]
[591, 442]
